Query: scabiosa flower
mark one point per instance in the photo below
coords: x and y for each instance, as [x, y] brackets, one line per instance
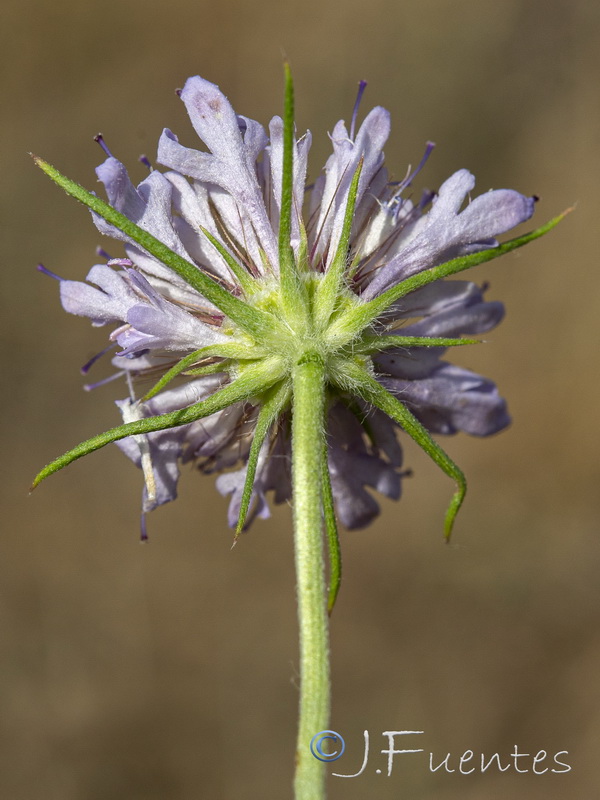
[285, 336]
[220, 211]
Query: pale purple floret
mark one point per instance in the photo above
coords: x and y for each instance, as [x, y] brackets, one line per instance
[107, 300]
[166, 448]
[165, 453]
[354, 465]
[446, 232]
[151, 321]
[234, 191]
[232, 483]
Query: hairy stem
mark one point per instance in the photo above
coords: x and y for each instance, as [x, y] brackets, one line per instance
[307, 433]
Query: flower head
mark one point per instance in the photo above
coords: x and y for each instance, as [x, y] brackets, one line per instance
[237, 272]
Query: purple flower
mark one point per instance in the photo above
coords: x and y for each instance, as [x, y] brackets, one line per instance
[222, 207]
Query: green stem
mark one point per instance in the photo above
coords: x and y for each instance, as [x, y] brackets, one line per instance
[307, 454]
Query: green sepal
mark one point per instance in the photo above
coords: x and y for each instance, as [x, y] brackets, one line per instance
[328, 289]
[353, 266]
[273, 405]
[373, 344]
[264, 260]
[210, 369]
[350, 323]
[365, 386]
[293, 290]
[247, 283]
[286, 255]
[251, 320]
[331, 533]
[177, 369]
[225, 350]
[255, 380]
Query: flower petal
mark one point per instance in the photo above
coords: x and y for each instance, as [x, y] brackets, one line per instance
[453, 399]
[339, 171]
[107, 303]
[233, 483]
[163, 447]
[350, 473]
[352, 466]
[301, 148]
[232, 164]
[444, 233]
[167, 325]
[150, 207]
[472, 319]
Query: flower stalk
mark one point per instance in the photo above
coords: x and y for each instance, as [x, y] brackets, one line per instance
[307, 447]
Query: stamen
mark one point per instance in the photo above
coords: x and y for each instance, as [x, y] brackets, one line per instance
[100, 251]
[143, 531]
[426, 198]
[329, 209]
[100, 140]
[89, 387]
[361, 88]
[241, 220]
[146, 162]
[227, 236]
[121, 329]
[411, 176]
[119, 262]
[87, 366]
[45, 271]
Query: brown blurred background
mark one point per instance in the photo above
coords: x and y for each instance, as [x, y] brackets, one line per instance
[169, 672]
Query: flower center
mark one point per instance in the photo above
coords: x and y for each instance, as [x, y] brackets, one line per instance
[301, 334]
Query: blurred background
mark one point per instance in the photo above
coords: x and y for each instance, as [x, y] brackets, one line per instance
[169, 671]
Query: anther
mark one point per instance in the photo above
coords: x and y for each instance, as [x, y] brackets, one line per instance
[143, 531]
[100, 140]
[100, 251]
[412, 175]
[88, 365]
[361, 88]
[45, 271]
